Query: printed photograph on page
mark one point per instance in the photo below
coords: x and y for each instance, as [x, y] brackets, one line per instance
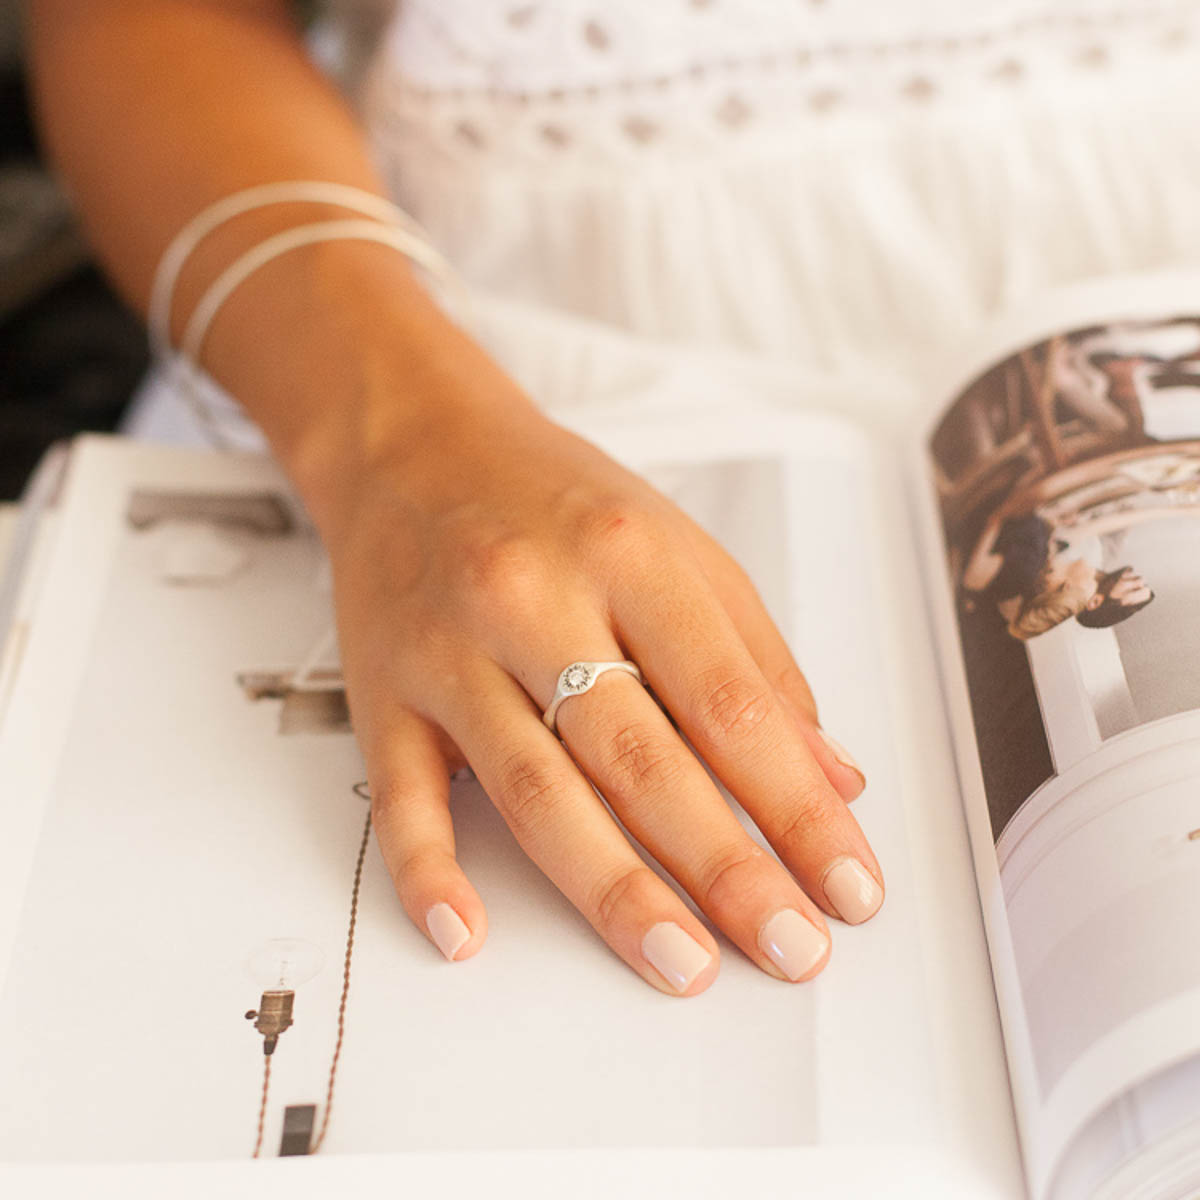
[1068, 481]
[212, 961]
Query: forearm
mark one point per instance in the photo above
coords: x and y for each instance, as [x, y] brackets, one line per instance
[154, 109]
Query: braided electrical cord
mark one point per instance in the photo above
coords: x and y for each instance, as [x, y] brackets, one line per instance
[262, 1108]
[360, 790]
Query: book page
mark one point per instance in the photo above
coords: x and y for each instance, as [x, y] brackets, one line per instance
[1064, 520]
[26, 537]
[189, 829]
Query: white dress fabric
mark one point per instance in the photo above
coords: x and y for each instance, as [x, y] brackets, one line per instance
[834, 190]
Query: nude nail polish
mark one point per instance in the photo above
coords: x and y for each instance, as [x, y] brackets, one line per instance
[448, 930]
[792, 942]
[841, 754]
[674, 954]
[852, 891]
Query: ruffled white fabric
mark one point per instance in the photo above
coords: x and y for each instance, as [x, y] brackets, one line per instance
[845, 188]
[870, 232]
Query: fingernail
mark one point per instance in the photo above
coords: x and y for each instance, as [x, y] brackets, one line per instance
[792, 942]
[448, 930]
[852, 891]
[841, 754]
[675, 955]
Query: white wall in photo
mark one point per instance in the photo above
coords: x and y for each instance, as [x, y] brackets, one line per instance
[1160, 646]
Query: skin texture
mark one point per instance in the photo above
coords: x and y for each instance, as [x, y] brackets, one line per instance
[477, 547]
[1077, 573]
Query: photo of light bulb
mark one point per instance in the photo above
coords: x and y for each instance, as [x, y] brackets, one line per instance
[284, 964]
[279, 967]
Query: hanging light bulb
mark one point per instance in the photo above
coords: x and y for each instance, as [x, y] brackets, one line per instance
[284, 964]
[279, 967]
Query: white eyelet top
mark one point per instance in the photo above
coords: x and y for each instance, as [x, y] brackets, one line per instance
[830, 182]
[846, 186]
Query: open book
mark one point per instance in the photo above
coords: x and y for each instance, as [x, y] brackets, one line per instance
[185, 882]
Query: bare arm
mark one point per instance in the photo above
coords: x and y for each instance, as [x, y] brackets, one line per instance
[153, 109]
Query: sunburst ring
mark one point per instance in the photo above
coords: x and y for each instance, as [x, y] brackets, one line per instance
[581, 677]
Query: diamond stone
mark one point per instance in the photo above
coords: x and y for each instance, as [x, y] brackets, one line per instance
[576, 677]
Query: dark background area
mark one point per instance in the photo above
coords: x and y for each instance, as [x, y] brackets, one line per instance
[70, 352]
[1014, 754]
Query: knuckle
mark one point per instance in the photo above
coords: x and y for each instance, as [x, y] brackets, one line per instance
[616, 528]
[642, 760]
[792, 682]
[421, 862]
[809, 814]
[618, 892]
[388, 798]
[731, 706]
[528, 790]
[726, 875]
[508, 570]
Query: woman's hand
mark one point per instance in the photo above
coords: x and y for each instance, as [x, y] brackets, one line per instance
[468, 573]
[486, 552]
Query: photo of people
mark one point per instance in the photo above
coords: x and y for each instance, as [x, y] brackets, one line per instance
[1068, 477]
[1068, 482]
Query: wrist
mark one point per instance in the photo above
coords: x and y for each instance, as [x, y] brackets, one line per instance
[350, 368]
[397, 432]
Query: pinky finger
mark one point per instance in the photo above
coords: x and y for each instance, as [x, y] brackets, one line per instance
[840, 768]
[410, 810]
[770, 651]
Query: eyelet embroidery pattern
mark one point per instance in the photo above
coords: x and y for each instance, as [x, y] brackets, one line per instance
[536, 83]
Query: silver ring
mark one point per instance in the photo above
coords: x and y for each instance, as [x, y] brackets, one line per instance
[581, 677]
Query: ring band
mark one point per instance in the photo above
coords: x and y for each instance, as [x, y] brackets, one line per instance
[580, 677]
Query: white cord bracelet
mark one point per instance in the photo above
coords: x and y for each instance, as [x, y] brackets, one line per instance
[291, 191]
[345, 229]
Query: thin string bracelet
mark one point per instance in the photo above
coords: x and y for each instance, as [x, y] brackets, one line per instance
[208, 220]
[346, 229]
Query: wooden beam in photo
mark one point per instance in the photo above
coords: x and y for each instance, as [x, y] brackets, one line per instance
[1042, 391]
